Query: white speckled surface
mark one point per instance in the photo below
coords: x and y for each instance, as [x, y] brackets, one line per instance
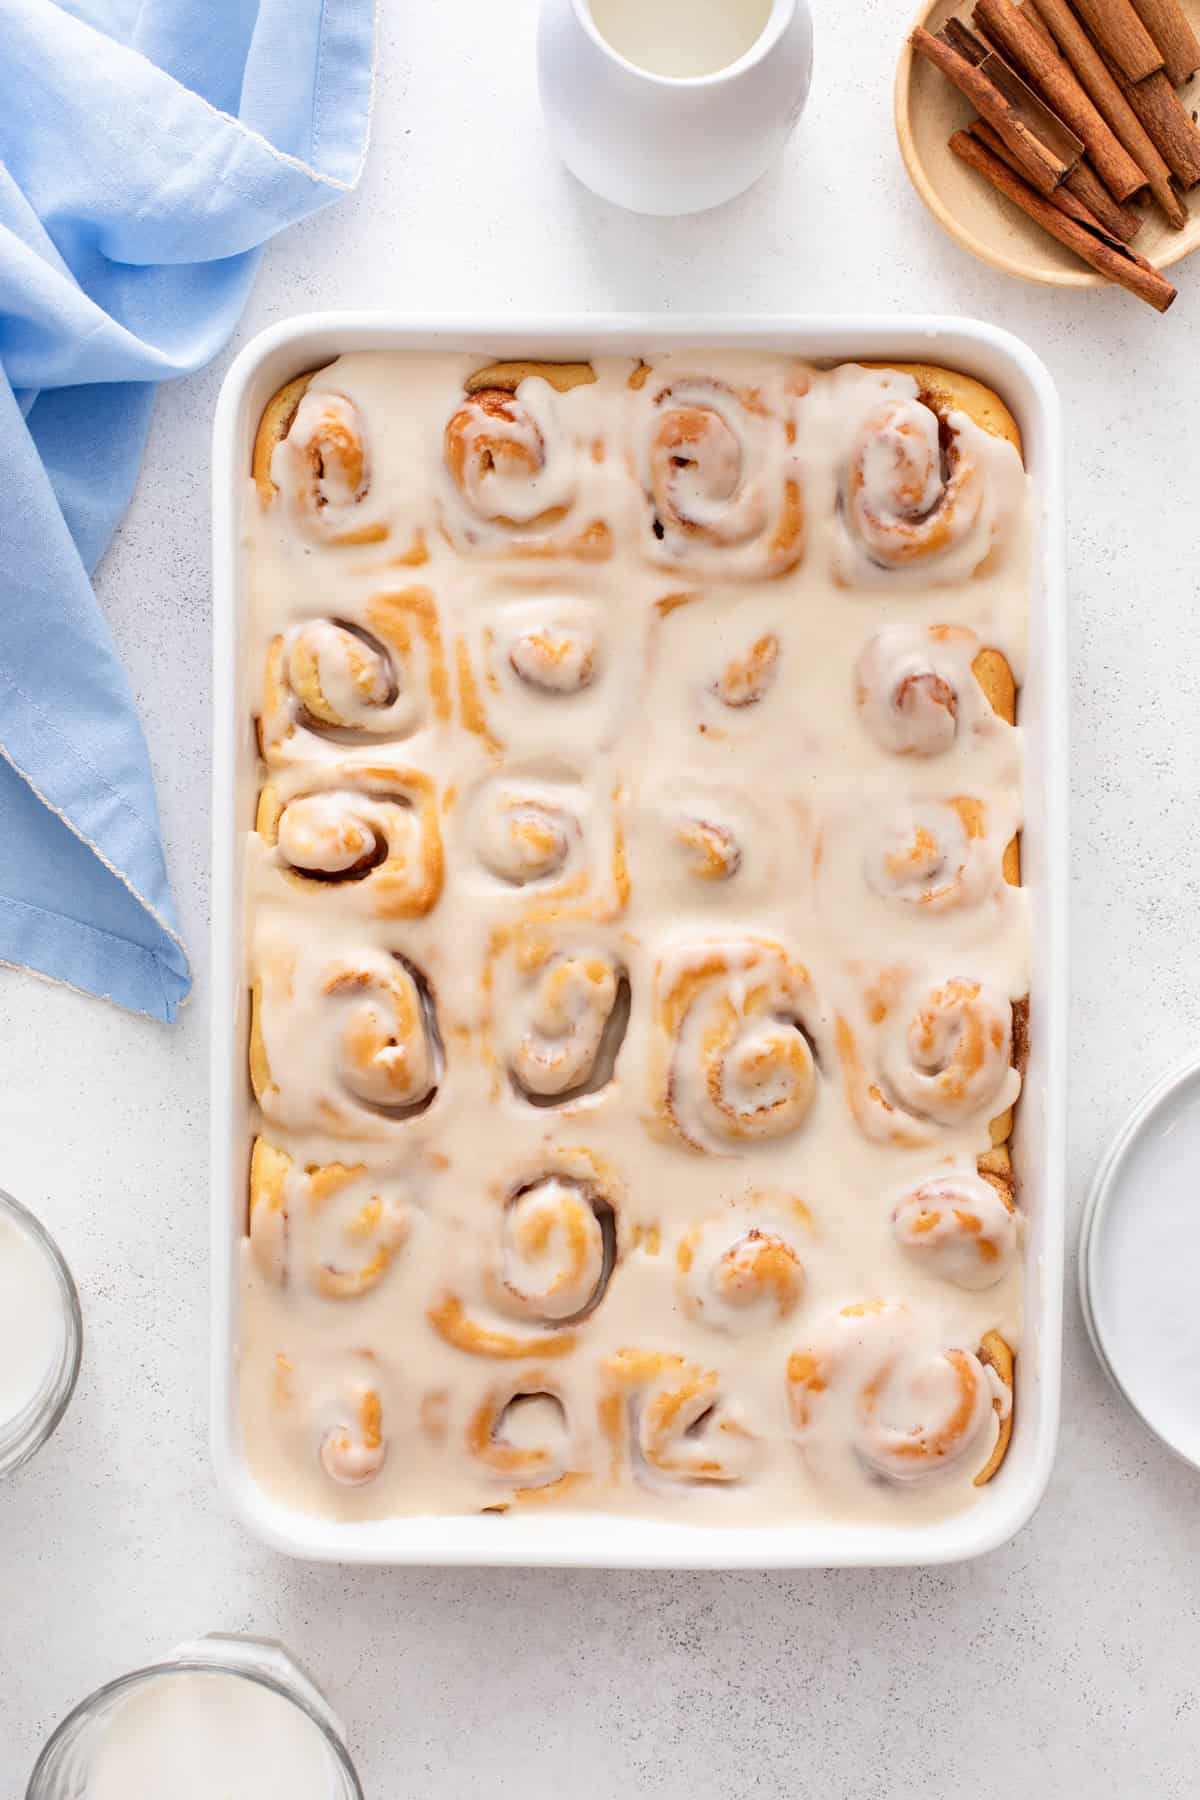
[1064, 1664]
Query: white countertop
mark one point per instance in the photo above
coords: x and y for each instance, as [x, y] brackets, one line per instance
[1067, 1660]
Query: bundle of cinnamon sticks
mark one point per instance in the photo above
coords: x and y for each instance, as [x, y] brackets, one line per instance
[1079, 118]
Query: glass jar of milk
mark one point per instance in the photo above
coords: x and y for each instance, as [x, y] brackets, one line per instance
[227, 1716]
[41, 1335]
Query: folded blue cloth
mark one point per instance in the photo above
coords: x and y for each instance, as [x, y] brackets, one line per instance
[148, 148]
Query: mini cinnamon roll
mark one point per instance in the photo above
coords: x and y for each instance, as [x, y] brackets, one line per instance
[372, 831]
[524, 841]
[704, 845]
[722, 488]
[960, 1226]
[933, 855]
[870, 1383]
[566, 1009]
[555, 659]
[330, 681]
[915, 491]
[557, 1249]
[745, 679]
[557, 1243]
[354, 1448]
[943, 1061]
[733, 1063]
[919, 690]
[312, 447]
[669, 1421]
[515, 474]
[741, 1272]
[335, 1226]
[957, 1053]
[711, 850]
[343, 1044]
[536, 676]
[520, 1432]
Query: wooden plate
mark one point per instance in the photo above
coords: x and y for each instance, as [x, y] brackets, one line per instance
[929, 108]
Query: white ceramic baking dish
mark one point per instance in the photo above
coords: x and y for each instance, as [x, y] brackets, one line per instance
[287, 349]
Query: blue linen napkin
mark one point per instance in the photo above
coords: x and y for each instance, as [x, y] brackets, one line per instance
[148, 148]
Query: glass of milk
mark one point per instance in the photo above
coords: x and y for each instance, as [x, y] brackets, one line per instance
[224, 1718]
[41, 1335]
[672, 106]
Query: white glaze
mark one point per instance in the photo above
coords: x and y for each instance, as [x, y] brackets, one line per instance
[662, 146]
[701, 721]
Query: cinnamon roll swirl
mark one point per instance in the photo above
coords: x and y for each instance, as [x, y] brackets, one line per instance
[919, 690]
[741, 1271]
[313, 448]
[870, 1383]
[334, 682]
[558, 1248]
[533, 839]
[702, 845]
[346, 1044]
[934, 1057]
[914, 493]
[554, 658]
[747, 677]
[670, 1421]
[523, 841]
[721, 482]
[521, 1435]
[719, 662]
[516, 474]
[933, 855]
[711, 850]
[562, 1005]
[354, 1448]
[557, 1243]
[336, 1227]
[370, 834]
[329, 1411]
[961, 1226]
[734, 1055]
[539, 677]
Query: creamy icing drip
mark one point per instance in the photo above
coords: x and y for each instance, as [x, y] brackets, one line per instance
[914, 1411]
[673, 1024]
[961, 1225]
[324, 466]
[916, 691]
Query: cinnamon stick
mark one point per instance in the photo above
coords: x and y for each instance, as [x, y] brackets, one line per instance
[1122, 36]
[959, 38]
[1051, 77]
[1118, 264]
[1040, 165]
[1166, 119]
[1123, 221]
[1119, 223]
[1167, 25]
[1101, 84]
[1030, 12]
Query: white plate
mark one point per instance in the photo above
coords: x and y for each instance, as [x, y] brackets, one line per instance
[1139, 1261]
[580, 1539]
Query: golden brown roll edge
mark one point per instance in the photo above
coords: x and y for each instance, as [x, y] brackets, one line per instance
[273, 427]
[946, 390]
[996, 1353]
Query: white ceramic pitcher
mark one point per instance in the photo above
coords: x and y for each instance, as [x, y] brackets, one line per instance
[663, 144]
